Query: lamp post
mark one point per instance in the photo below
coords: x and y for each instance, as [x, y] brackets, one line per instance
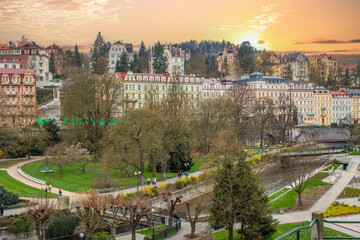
[152, 213]
[47, 188]
[186, 166]
[137, 174]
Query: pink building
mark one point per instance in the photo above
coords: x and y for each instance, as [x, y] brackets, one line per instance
[17, 96]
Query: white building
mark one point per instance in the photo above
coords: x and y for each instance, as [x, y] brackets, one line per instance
[215, 87]
[302, 95]
[175, 57]
[115, 51]
[341, 103]
[294, 67]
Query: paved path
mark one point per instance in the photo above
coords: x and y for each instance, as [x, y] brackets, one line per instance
[325, 201]
[13, 172]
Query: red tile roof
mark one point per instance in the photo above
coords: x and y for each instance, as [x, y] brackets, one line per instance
[338, 93]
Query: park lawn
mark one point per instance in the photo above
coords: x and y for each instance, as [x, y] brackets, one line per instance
[289, 199]
[305, 234]
[8, 163]
[149, 232]
[278, 193]
[20, 188]
[354, 153]
[335, 165]
[73, 180]
[224, 235]
[349, 193]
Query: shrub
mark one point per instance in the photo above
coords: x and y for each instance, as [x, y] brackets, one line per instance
[100, 236]
[180, 184]
[63, 223]
[19, 224]
[147, 238]
[337, 209]
[8, 198]
[194, 179]
[187, 180]
[155, 191]
[162, 185]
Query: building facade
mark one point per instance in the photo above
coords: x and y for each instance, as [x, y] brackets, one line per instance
[269, 64]
[322, 106]
[227, 59]
[140, 88]
[324, 68]
[302, 97]
[216, 87]
[115, 51]
[342, 106]
[294, 67]
[18, 96]
[355, 105]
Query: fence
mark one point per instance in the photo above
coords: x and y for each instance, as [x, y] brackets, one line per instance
[31, 178]
[317, 227]
[167, 232]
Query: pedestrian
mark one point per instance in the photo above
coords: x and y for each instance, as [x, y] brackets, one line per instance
[154, 181]
[60, 192]
[148, 181]
[178, 174]
[2, 210]
[175, 217]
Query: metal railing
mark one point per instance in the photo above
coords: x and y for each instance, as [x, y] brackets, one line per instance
[296, 231]
[31, 178]
[317, 226]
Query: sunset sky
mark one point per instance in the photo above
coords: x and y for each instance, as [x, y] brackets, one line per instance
[280, 25]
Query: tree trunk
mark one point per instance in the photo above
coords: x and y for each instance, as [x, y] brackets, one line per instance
[299, 199]
[170, 220]
[133, 232]
[61, 172]
[193, 227]
[153, 169]
[231, 231]
[28, 153]
[148, 219]
[163, 170]
[97, 154]
[113, 233]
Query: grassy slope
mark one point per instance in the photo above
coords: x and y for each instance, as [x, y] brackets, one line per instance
[19, 188]
[289, 199]
[278, 193]
[73, 180]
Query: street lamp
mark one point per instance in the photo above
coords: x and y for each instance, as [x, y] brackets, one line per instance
[152, 212]
[186, 166]
[47, 188]
[137, 174]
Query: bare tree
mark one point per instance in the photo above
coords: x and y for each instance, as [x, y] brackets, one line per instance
[297, 171]
[134, 209]
[263, 112]
[113, 206]
[171, 203]
[88, 208]
[282, 114]
[41, 214]
[193, 220]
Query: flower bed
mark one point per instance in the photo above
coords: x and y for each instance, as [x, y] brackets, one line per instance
[337, 209]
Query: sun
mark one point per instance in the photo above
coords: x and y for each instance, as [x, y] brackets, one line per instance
[253, 39]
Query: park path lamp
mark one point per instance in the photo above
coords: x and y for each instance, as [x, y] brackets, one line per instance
[137, 174]
[186, 166]
[46, 189]
[153, 216]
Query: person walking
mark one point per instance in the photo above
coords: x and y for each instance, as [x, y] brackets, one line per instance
[178, 174]
[2, 210]
[148, 181]
[60, 192]
[154, 181]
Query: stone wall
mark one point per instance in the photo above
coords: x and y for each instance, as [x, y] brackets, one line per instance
[6, 235]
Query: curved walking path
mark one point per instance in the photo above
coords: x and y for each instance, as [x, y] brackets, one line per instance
[13, 172]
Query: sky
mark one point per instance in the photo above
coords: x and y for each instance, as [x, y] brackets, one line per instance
[311, 26]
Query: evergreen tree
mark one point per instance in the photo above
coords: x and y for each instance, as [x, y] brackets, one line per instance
[52, 68]
[117, 66]
[239, 198]
[100, 49]
[134, 65]
[53, 131]
[245, 58]
[160, 62]
[143, 65]
[124, 62]
[78, 61]
[225, 65]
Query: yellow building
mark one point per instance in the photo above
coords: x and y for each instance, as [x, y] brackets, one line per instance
[323, 66]
[228, 56]
[269, 64]
[355, 105]
[322, 107]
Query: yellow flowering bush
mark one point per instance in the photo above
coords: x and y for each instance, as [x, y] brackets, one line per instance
[147, 189]
[337, 209]
[1, 153]
[180, 184]
[187, 180]
[162, 185]
[255, 160]
[194, 179]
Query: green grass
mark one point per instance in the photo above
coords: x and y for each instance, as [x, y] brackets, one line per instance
[289, 199]
[224, 235]
[354, 153]
[149, 232]
[8, 163]
[74, 180]
[350, 193]
[20, 188]
[335, 165]
[305, 234]
[278, 193]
